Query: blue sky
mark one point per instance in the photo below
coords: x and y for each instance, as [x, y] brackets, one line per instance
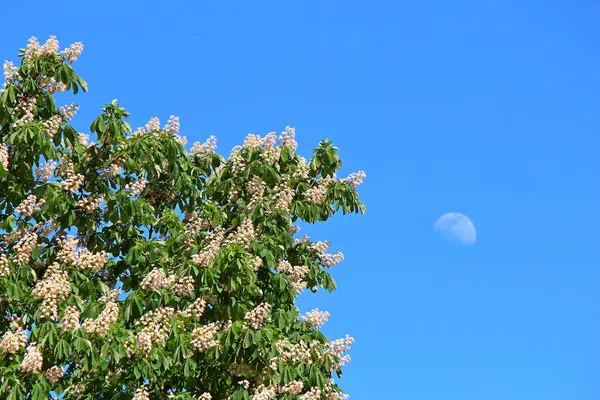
[488, 108]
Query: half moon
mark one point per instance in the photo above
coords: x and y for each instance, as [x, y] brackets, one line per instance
[456, 227]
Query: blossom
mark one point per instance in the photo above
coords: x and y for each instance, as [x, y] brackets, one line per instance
[69, 111]
[208, 147]
[255, 318]
[107, 317]
[256, 189]
[244, 234]
[202, 337]
[24, 247]
[136, 187]
[30, 205]
[70, 319]
[87, 260]
[316, 195]
[205, 396]
[155, 327]
[4, 156]
[4, 265]
[284, 197]
[50, 47]
[153, 125]
[206, 256]
[53, 374]
[12, 341]
[33, 360]
[172, 125]
[141, 394]
[90, 204]
[46, 170]
[53, 125]
[315, 318]
[287, 138]
[73, 182]
[71, 53]
[33, 48]
[294, 387]
[355, 179]
[52, 289]
[264, 393]
[10, 71]
[329, 260]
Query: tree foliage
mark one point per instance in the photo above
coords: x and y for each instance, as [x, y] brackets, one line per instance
[135, 268]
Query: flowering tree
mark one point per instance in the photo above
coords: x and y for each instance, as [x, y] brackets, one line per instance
[134, 268]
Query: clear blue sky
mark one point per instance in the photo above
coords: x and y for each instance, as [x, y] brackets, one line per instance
[489, 108]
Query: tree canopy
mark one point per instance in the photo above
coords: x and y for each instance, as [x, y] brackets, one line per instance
[134, 268]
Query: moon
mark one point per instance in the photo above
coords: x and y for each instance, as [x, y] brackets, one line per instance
[456, 227]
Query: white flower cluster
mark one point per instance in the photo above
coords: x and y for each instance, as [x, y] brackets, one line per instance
[329, 260]
[196, 309]
[4, 265]
[208, 147]
[67, 247]
[10, 71]
[313, 394]
[340, 346]
[315, 318]
[53, 125]
[50, 47]
[256, 317]
[101, 324]
[153, 125]
[316, 195]
[157, 280]
[73, 182]
[355, 178]
[54, 374]
[90, 204]
[205, 396]
[292, 353]
[12, 341]
[184, 286]
[45, 170]
[70, 319]
[52, 289]
[72, 53]
[172, 126]
[69, 111]
[256, 189]
[202, 338]
[236, 160]
[33, 360]
[243, 235]
[294, 387]
[141, 394]
[30, 205]
[52, 86]
[284, 196]
[136, 187]
[264, 393]
[4, 156]
[113, 169]
[287, 138]
[87, 260]
[155, 328]
[84, 139]
[207, 256]
[26, 106]
[24, 247]
[296, 274]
